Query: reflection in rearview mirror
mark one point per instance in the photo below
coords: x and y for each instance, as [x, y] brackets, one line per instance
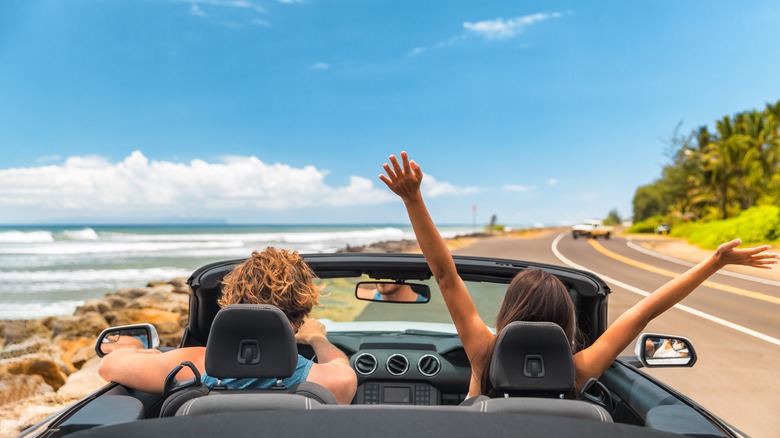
[394, 292]
[665, 351]
[138, 336]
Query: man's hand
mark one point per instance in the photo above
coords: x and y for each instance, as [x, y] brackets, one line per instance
[310, 329]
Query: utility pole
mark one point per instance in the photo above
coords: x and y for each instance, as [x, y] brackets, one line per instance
[474, 218]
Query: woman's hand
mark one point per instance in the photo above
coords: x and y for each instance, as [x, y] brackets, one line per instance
[728, 254]
[403, 179]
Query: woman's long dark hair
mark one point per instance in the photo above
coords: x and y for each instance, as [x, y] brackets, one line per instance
[533, 295]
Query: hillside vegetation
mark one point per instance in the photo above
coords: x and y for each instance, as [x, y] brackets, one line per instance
[722, 183]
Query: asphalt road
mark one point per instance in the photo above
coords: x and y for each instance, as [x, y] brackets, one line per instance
[733, 323]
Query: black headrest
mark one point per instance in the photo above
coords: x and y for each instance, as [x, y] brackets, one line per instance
[251, 340]
[532, 358]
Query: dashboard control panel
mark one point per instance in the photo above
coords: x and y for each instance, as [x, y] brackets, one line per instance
[406, 393]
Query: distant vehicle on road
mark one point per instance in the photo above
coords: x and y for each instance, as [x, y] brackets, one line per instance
[594, 228]
[662, 229]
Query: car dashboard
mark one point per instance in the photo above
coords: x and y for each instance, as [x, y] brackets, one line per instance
[404, 369]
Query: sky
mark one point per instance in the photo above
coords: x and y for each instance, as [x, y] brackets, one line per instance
[268, 112]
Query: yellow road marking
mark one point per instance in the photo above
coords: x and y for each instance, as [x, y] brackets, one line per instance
[730, 289]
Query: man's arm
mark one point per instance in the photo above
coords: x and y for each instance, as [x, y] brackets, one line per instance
[332, 369]
[146, 370]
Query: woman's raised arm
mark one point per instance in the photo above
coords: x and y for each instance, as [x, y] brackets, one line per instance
[404, 179]
[592, 361]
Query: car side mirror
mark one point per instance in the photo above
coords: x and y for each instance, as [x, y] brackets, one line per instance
[139, 336]
[654, 350]
[393, 292]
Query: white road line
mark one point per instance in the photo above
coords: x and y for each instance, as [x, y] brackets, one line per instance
[644, 293]
[652, 253]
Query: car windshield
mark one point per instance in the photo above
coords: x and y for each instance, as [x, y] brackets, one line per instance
[338, 303]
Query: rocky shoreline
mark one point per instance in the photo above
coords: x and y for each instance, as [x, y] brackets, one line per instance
[49, 363]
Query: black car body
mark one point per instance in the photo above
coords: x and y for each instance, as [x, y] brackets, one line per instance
[412, 370]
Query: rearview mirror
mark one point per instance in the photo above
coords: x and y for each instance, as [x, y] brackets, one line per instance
[393, 292]
[139, 336]
[655, 350]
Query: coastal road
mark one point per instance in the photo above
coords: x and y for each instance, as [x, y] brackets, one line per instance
[733, 321]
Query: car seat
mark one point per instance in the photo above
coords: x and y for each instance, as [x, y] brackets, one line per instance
[533, 360]
[246, 341]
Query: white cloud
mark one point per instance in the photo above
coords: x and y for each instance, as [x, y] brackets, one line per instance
[136, 188]
[442, 45]
[503, 29]
[196, 10]
[221, 3]
[433, 188]
[552, 182]
[320, 66]
[489, 29]
[518, 188]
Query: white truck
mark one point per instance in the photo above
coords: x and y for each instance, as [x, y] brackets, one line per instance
[591, 228]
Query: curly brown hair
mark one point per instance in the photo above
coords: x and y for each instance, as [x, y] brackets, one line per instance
[273, 276]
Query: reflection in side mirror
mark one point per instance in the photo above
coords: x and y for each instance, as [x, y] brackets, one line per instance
[139, 336]
[655, 350]
[393, 292]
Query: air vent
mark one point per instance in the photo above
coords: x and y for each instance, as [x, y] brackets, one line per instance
[429, 365]
[397, 364]
[365, 364]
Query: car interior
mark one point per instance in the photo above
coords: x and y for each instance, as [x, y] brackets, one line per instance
[415, 371]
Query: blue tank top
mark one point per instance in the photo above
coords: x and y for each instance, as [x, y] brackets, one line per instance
[299, 375]
[378, 297]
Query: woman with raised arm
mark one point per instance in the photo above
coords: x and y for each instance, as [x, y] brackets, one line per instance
[534, 295]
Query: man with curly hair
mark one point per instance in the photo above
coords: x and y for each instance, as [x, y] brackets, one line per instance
[277, 277]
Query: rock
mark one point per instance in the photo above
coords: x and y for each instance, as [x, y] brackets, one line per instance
[180, 286]
[132, 293]
[15, 417]
[87, 325]
[83, 355]
[83, 382]
[75, 351]
[47, 364]
[174, 303]
[35, 344]
[116, 302]
[17, 387]
[97, 306]
[388, 246]
[157, 283]
[163, 289]
[44, 365]
[135, 316]
[13, 332]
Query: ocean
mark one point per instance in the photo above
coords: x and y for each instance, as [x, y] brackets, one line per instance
[50, 270]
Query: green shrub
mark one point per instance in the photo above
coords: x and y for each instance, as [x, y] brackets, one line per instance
[646, 226]
[755, 225]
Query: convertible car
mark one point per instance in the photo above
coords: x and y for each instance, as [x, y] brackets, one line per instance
[413, 373]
